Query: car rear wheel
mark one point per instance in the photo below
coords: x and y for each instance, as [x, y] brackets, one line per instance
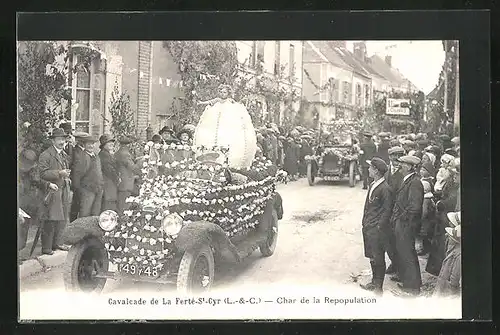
[352, 174]
[84, 261]
[310, 176]
[269, 245]
[196, 270]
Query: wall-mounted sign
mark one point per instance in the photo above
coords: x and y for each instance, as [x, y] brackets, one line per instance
[397, 107]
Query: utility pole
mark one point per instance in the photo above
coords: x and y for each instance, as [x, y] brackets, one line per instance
[446, 58]
[457, 89]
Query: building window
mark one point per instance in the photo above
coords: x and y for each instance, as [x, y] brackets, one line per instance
[292, 62]
[346, 92]
[358, 95]
[277, 55]
[87, 91]
[257, 53]
[367, 96]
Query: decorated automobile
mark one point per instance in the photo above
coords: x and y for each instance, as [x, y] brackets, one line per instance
[190, 215]
[336, 157]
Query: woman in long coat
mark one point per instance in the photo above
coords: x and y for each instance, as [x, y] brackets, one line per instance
[110, 174]
[446, 204]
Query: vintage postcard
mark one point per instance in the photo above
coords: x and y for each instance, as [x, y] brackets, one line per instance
[239, 179]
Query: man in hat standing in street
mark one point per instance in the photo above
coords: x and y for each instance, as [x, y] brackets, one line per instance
[87, 179]
[383, 147]
[367, 152]
[110, 175]
[70, 140]
[394, 178]
[127, 171]
[406, 218]
[53, 165]
[376, 225]
[78, 154]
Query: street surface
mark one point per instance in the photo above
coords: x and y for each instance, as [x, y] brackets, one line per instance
[319, 243]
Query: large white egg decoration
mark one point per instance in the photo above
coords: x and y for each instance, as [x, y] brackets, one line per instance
[228, 123]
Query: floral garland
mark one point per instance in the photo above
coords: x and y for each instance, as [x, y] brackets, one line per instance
[140, 239]
[344, 153]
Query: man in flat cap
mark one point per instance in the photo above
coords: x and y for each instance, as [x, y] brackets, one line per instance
[87, 178]
[406, 218]
[394, 178]
[53, 165]
[367, 152]
[376, 224]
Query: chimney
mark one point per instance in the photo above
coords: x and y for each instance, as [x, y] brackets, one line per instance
[388, 60]
[360, 50]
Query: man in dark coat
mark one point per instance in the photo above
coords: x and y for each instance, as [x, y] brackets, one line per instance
[376, 216]
[53, 165]
[394, 178]
[78, 154]
[383, 147]
[127, 170]
[70, 140]
[32, 190]
[367, 152]
[406, 218]
[110, 175]
[87, 179]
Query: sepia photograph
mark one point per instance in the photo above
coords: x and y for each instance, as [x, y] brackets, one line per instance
[239, 179]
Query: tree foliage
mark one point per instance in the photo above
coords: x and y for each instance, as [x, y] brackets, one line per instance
[204, 65]
[42, 94]
[44, 99]
[122, 121]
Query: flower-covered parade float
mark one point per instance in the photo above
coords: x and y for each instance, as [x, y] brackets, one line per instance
[336, 157]
[216, 203]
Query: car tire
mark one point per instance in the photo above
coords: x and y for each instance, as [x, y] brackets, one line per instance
[196, 270]
[84, 260]
[310, 176]
[352, 174]
[268, 247]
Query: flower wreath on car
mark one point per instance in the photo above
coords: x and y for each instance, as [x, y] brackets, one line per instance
[187, 191]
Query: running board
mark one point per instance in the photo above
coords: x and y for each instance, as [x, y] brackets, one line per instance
[246, 247]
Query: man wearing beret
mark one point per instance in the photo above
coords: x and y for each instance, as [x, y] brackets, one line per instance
[87, 179]
[376, 225]
[406, 218]
[367, 152]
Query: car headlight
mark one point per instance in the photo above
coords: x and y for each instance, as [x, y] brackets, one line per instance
[108, 220]
[172, 224]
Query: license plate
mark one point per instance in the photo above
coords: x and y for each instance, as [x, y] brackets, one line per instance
[139, 270]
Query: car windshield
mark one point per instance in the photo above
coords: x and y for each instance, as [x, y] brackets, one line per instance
[340, 139]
